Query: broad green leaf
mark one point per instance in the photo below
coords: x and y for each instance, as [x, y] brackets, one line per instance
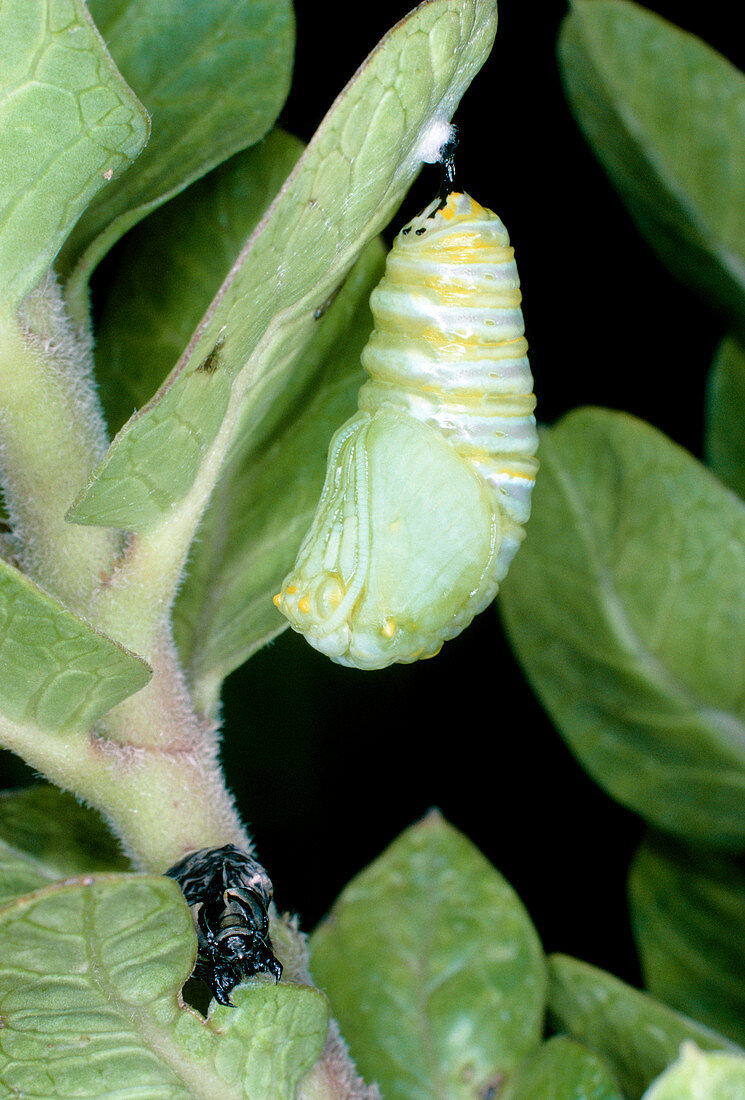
[700, 1076]
[562, 1069]
[663, 113]
[635, 1034]
[265, 499]
[688, 908]
[90, 973]
[725, 415]
[46, 835]
[433, 968]
[68, 122]
[626, 607]
[213, 77]
[58, 672]
[166, 277]
[344, 189]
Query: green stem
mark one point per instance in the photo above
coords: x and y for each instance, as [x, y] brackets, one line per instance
[162, 803]
[151, 768]
[51, 437]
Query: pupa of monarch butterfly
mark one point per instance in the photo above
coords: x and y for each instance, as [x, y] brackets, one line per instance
[228, 893]
[428, 486]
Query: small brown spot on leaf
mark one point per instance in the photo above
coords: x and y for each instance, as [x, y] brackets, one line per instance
[212, 361]
[492, 1088]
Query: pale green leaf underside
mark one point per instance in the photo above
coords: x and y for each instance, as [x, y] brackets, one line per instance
[626, 607]
[213, 77]
[432, 967]
[562, 1069]
[724, 441]
[68, 122]
[264, 501]
[697, 1075]
[46, 835]
[266, 494]
[57, 671]
[688, 909]
[344, 189]
[89, 979]
[663, 112]
[636, 1035]
[166, 278]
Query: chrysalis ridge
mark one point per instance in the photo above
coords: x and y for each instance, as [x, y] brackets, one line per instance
[428, 486]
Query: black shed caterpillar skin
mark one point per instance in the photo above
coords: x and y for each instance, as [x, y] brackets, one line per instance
[228, 893]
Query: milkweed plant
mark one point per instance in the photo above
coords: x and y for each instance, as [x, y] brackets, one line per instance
[152, 513]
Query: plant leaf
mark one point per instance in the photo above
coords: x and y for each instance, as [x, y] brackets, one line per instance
[90, 972]
[213, 76]
[267, 494]
[433, 968]
[700, 1076]
[46, 835]
[58, 672]
[345, 187]
[165, 277]
[724, 441]
[562, 1069]
[688, 909]
[269, 1041]
[662, 112]
[626, 607]
[635, 1034]
[68, 122]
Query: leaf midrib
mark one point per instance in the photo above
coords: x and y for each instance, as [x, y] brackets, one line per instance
[660, 678]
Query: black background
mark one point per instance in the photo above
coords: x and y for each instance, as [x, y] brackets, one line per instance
[329, 764]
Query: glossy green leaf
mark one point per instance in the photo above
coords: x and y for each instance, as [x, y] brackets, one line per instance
[636, 1035]
[90, 973]
[46, 835]
[700, 1076]
[213, 77]
[166, 278]
[68, 122]
[58, 672]
[433, 968]
[663, 114]
[725, 415]
[688, 909]
[344, 189]
[626, 607]
[563, 1069]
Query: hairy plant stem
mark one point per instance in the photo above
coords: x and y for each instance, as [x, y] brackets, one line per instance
[51, 436]
[151, 768]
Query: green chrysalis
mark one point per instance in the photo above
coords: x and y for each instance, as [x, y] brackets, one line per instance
[428, 486]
